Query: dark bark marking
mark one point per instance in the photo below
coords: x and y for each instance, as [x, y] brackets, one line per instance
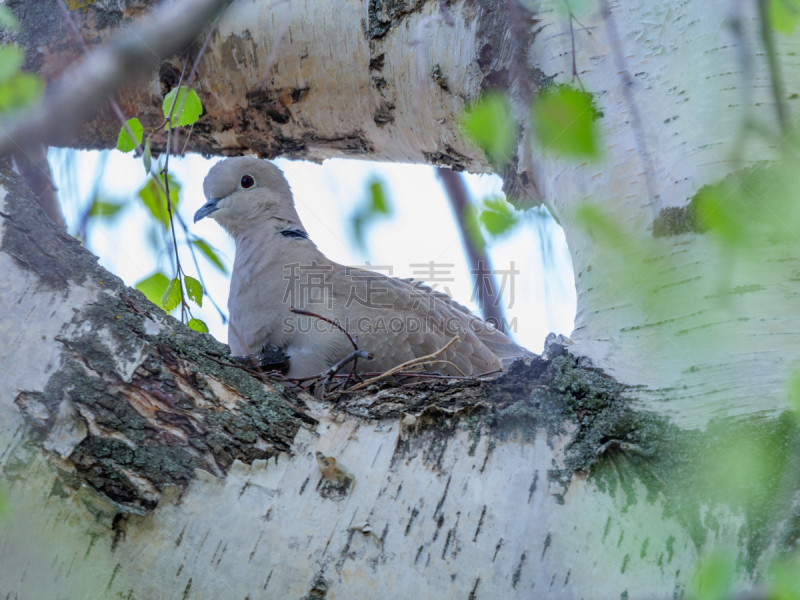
[383, 15]
[440, 78]
[187, 589]
[480, 524]
[497, 549]
[439, 524]
[252, 553]
[442, 499]
[344, 554]
[303, 486]
[117, 569]
[547, 542]
[533, 485]
[473, 595]
[414, 513]
[447, 157]
[518, 572]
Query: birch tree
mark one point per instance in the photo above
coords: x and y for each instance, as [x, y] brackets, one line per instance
[651, 455]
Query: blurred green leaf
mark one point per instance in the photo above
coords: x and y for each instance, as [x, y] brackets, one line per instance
[5, 505]
[713, 577]
[194, 290]
[104, 209]
[19, 90]
[380, 204]
[147, 157]
[188, 107]
[784, 578]
[8, 19]
[198, 325]
[794, 393]
[489, 124]
[600, 225]
[472, 219]
[172, 295]
[377, 205]
[784, 15]
[498, 216]
[125, 143]
[210, 254]
[563, 118]
[155, 199]
[154, 287]
[11, 58]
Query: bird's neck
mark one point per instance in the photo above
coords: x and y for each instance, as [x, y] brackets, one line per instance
[272, 245]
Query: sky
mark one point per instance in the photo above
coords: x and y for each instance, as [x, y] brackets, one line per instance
[539, 299]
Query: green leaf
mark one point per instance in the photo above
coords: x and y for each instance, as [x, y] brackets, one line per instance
[472, 220]
[8, 19]
[172, 295]
[713, 577]
[377, 205]
[5, 505]
[154, 198]
[794, 393]
[11, 58]
[498, 216]
[784, 15]
[194, 290]
[188, 107]
[198, 325]
[125, 143]
[19, 90]
[784, 578]
[147, 157]
[489, 124]
[564, 120]
[210, 254]
[153, 287]
[104, 209]
[380, 204]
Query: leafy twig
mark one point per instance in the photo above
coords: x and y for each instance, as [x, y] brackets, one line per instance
[165, 172]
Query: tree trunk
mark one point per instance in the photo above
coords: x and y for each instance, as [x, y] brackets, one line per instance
[139, 467]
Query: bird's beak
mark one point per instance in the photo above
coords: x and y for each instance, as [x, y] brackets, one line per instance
[207, 208]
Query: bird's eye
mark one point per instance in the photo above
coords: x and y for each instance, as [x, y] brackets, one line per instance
[248, 182]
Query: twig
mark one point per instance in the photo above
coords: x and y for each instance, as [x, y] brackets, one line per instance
[83, 89]
[321, 318]
[185, 227]
[356, 354]
[165, 172]
[405, 365]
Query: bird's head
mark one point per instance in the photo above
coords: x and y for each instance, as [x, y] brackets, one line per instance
[242, 191]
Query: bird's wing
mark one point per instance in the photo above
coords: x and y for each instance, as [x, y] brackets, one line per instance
[401, 319]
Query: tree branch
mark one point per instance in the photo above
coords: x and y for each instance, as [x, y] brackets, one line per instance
[83, 89]
[479, 262]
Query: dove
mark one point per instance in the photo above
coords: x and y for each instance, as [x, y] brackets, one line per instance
[278, 270]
